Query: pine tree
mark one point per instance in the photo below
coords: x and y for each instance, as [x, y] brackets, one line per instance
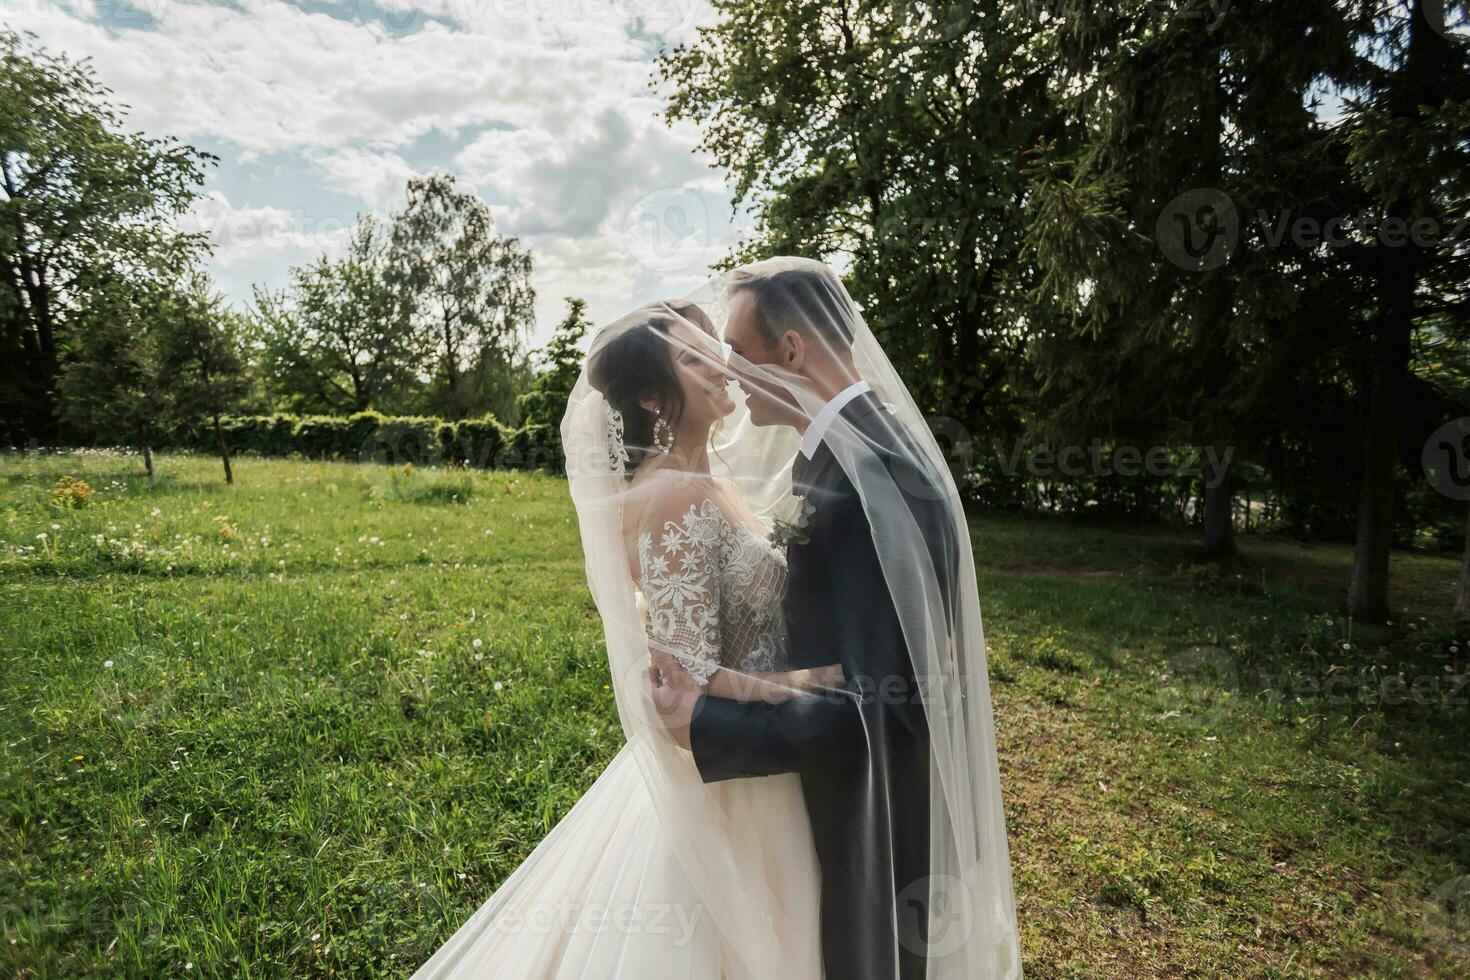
[546, 401]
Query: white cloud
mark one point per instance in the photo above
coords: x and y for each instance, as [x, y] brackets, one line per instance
[542, 105]
[375, 177]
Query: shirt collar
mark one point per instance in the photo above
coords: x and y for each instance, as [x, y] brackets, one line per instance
[823, 420]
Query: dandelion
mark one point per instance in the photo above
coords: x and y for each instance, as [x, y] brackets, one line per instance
[477, 643]
[56, 527]
[481, 656]
[499, 686]
[107, 663]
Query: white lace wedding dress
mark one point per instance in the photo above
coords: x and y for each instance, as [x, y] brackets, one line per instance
[604, 895]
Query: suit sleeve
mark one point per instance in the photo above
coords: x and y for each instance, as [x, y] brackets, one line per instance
[732, 739]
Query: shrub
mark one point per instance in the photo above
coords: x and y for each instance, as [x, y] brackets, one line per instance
[68, 491]
[482, 443]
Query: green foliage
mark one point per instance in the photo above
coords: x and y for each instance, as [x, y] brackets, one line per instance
[472, 293]
[561, 363]
[342, 338]
[82, 201]
[890, 135]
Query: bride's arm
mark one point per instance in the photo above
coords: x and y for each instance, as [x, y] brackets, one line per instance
[773, 686]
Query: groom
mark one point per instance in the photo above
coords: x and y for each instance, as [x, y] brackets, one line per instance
[862, 753]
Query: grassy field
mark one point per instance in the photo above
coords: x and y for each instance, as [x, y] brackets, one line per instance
[304, 725]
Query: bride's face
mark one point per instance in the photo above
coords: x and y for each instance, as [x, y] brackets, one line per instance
[699, 365]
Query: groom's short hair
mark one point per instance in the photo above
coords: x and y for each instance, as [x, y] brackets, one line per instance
[798, 294]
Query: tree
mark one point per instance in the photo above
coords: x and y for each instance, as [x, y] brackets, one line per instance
[472, 289]
[1144, 232]
[890, 136]
[546, 401]
[78, 197]
[114, 377]
[202, 350]
[342, 338]
[1406, 131]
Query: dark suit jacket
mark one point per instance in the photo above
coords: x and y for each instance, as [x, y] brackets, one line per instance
[863, 755]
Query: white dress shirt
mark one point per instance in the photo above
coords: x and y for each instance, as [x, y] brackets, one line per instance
[823, 420]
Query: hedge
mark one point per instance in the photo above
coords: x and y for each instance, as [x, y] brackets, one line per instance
[369, 437]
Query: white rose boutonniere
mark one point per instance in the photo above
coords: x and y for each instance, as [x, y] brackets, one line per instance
[797, 530]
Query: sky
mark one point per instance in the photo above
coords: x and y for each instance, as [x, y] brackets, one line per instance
[320, 111]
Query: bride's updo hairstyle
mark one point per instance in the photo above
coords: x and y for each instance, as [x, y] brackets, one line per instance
[631, 359]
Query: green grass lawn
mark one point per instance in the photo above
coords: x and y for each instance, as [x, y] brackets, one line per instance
[304, 725]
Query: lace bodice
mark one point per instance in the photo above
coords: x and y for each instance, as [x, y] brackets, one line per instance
[713, 588]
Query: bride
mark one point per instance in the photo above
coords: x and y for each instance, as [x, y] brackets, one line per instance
[654, 873]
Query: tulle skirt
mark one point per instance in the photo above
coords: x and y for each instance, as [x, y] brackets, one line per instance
[603, 896]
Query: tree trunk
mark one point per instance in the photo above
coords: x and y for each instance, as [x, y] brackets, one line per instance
[1463, 601]
[1462, 604]
[1419, 84]
[1368, 594]
[224, 451]
[451, 367]
[1219, 520]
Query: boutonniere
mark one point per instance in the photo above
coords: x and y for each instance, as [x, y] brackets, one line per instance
[797, 530]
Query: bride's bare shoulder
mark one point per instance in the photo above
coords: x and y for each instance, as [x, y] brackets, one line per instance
[662, 497]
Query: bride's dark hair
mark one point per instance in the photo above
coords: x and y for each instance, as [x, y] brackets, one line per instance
[632, 359]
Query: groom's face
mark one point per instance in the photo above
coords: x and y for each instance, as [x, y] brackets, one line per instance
[757, 366]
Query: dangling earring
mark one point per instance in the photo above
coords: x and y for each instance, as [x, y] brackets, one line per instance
[659, 428]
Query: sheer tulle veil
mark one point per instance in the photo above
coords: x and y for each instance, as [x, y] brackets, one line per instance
[960, 917]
